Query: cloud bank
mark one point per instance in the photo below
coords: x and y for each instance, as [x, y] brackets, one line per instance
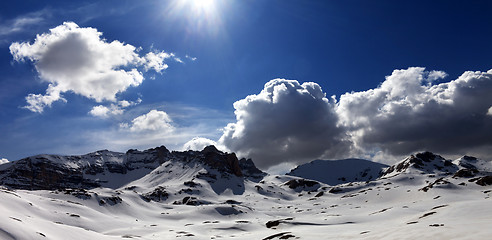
[408, 113]
[289, 122]
[74, 59]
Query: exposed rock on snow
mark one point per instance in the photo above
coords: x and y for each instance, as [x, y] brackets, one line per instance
[425, 162]
[303, 185]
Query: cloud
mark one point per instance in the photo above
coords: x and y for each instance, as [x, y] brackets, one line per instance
[198, 144]
[153, 121]
[290, 123]
[178, 60]
[19, 24]
[74, 59]
[285, 122]
[407, 113]
[103, 111]
[190, 57]
[113, 109]
[155, 60]
[3, 160]
[22, 23]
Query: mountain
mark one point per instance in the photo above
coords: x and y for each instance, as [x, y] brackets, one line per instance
[334, 172]
[441, 171]
[111, 169]
[209, 194]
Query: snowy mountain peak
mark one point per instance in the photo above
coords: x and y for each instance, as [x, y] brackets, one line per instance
[334, 172]
[424, 162]
[468, 162]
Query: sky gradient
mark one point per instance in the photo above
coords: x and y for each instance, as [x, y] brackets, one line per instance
[283, 82]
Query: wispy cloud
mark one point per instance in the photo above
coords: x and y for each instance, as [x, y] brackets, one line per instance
[190, 58]
[23, 23]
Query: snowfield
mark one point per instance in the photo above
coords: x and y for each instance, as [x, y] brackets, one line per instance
[420, 197]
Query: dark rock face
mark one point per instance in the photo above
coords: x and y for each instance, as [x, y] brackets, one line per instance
[159, 194]
[51, 172]
[439, 181]
[40, 173]
[192, 201]
[484, 181]
[466, 173]
[249, 169]
[222, 161]
[426, 156]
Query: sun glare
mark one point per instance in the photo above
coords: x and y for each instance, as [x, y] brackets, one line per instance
[203, 5]
[201, 14]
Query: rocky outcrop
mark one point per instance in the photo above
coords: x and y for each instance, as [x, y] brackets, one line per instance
[39, 173]
[425, 162]
[484, 181]
[249, 169]
[225, 162]
[303, 185]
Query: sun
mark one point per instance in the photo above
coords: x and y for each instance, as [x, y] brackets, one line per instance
[203, 5]
[197, 8]
[201, 15]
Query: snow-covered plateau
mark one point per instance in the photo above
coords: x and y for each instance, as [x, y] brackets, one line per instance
[158, 194]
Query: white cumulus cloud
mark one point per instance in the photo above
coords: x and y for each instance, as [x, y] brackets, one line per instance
[74, 59]
[406, 113]
[152, 121]
[198, 144]
[289, 123]
[3, 160]
[155, 60]
[286, 122]
[113, 109]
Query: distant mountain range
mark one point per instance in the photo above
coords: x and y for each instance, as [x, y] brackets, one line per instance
[209, 194]
[112, 169]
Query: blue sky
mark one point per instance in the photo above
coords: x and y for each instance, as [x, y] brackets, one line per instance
[219, 52]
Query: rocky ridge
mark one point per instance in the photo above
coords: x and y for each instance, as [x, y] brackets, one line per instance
[112, 169]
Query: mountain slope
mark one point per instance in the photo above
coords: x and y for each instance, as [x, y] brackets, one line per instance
[334, 172]
[201, 195]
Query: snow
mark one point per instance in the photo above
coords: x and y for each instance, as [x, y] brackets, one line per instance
[392, 207]
[334, 172]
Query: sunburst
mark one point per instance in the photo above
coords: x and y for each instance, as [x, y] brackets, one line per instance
[202, 15]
